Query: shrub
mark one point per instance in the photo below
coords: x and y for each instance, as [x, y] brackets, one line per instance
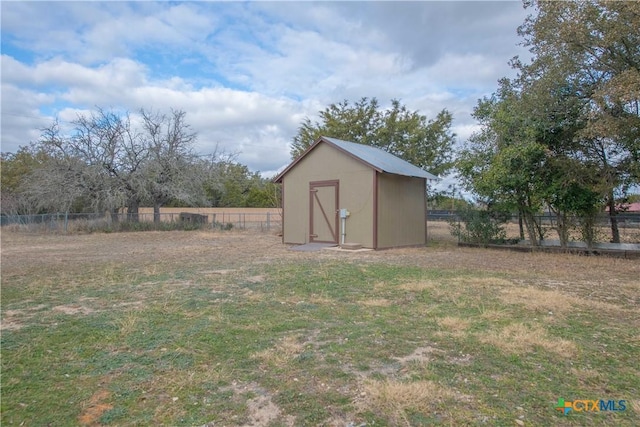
[479, 226]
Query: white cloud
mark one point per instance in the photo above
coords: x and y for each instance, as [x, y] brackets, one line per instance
[21, 117]
[248, 73]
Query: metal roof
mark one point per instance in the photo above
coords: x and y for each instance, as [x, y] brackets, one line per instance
[380, 159]
[373, 157]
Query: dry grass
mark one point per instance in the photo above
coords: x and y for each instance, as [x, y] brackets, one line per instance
[556, 303]
[539, 301]
[230, 251]
[376, 302]
[495, 315]
[398, 399]
[128, 322]
[454, 325]
[519, 338]
[285, 351]
[458, 285]
[420, 285]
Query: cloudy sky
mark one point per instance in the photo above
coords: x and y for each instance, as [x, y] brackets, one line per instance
[248, 73]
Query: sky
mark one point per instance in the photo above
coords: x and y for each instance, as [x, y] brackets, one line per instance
[248, 73]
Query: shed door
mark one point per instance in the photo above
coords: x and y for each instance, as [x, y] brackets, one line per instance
[323, 211]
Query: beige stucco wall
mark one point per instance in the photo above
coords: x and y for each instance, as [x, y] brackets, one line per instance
[325, 163]
[401, 211]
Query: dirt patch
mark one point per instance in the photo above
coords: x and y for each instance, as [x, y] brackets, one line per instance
[11, 322]
[376, 302]
[420, 355]
[94, 409]
[73, 309]
[15, 319]
[262, 411]
[255, 279]
[138, 303]
[223, 272]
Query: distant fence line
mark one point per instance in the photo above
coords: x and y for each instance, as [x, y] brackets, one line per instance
[264, 220]
[632, 219]
[242, 218]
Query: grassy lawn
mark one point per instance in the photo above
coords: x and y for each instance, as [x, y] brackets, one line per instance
[225, 329]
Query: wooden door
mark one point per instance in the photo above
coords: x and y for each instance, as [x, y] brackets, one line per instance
[323, 211]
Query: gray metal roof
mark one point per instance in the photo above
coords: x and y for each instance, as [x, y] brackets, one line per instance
[380, 159]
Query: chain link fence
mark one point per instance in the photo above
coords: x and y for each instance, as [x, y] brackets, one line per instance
[90, 222]
[628, 225]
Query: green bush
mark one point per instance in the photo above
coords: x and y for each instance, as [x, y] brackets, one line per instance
[479, 226]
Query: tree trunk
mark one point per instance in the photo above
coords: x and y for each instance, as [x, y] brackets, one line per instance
[529, 222]
[613, 218]
[115, 215]
[156, 213]
[538, 225]
[133, 208]
[520, 225]
[563, 229]
[588, 230]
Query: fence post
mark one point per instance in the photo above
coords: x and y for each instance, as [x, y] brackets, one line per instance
[66, 220]
[268, 221]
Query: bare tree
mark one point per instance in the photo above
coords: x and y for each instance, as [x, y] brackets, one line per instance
[168, 172]
[105, 163]
[107, 140]
[62, 183]
[100, 162]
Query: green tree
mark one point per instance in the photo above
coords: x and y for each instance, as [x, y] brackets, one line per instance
[502, 161]
[231, 184]
[570, 191]
[565, 133]
[263, 194]
[407, 134]
[593, 48]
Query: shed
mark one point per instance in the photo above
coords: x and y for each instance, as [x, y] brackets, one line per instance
[342, 192]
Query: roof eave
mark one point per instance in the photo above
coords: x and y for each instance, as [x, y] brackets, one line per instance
[280, 176]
